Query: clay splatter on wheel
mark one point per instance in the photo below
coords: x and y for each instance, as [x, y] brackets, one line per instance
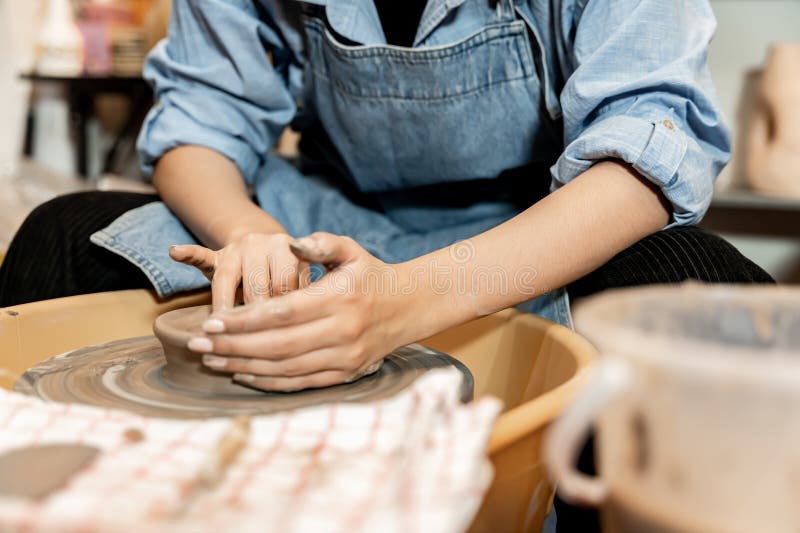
[129, 374]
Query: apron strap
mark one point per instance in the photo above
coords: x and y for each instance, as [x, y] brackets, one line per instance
[506, 10]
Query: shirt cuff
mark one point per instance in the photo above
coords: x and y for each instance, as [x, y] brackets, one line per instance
[167, 127]
[657, 149]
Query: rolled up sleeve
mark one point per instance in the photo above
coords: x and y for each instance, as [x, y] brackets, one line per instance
[639, 91]
[221, 81]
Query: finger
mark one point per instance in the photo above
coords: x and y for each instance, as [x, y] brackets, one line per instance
[326, 249]
[277, 343]
[284, 272]
[365, 371]
[295, 308]
[196, 256]
[256, 276]
[226, 280]
[291, 384]
[304, 275]
[306, 364]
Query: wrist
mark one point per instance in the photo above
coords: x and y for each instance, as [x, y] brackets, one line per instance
[237, 233]
[259, 222]
[425, 304]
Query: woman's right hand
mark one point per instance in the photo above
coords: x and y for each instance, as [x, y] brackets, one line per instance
[262, 263]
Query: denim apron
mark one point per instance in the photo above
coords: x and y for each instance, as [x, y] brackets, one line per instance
[414, 131]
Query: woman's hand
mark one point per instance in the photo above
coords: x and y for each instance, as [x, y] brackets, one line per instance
[262, 263]
[333, 331]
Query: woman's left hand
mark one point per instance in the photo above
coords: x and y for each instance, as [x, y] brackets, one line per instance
[333, 331]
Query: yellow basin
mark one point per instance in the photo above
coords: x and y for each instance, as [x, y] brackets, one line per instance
[531, 364]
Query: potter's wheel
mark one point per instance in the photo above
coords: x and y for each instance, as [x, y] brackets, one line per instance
[129, 374]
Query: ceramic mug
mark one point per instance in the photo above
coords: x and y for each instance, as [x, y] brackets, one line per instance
[772, 139]
[696, 406]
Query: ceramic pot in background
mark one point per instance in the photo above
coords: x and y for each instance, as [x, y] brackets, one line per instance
[60, 43]
[695, 403]
[156, 22]
[53, 145]
[772, 144]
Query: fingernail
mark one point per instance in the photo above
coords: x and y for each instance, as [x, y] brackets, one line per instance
[303, 245]
[200, 344]
[213, 325]
[247, 378]
[214, 362]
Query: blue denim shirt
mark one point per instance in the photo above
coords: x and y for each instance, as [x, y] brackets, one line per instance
[623, 79]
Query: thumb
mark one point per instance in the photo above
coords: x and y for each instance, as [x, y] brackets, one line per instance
[326, 249]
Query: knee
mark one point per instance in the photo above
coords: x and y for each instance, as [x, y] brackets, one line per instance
[61, 206]
[56, 220]
[713, 258]
[63, 212]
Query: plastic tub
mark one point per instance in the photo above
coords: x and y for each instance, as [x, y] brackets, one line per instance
[533, 365]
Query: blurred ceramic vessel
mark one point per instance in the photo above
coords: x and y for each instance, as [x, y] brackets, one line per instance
[157, 22]
[772, 159]
[695, 403]
[60, 43]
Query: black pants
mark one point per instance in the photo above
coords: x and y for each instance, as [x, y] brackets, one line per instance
[51, 256]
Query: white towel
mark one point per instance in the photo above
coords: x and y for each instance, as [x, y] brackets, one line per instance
[415, 462]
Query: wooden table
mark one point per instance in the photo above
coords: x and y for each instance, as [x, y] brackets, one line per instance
[82, 91]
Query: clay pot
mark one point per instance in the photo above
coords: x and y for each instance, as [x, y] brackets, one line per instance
[60, 42]
[185, 368]
[772, 161]
[156, 22]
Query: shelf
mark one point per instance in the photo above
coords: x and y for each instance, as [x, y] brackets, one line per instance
[747, 212]
[742, 199]
[91, 83]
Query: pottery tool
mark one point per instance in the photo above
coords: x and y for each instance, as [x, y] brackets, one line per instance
[226, 451]
[222, 456]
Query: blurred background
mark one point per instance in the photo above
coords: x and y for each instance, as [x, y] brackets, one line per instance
[72, 101]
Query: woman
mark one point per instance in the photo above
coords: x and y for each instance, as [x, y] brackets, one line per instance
[431, 136]
[423, 125]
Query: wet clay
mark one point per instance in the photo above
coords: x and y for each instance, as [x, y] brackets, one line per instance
[33, 472]
[184, 368]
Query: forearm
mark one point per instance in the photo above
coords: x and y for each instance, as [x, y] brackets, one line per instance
[563, 237]
[206, 191]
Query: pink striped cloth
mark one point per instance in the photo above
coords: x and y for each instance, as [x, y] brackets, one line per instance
[415, 462]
